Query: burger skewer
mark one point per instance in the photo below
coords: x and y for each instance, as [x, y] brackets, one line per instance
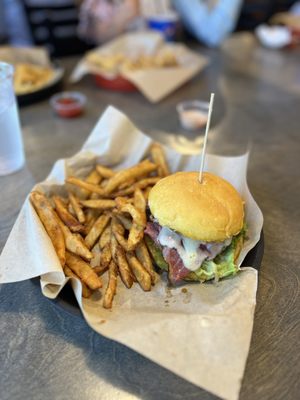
[211, 104]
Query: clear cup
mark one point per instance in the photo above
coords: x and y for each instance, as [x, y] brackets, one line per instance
[11, 144]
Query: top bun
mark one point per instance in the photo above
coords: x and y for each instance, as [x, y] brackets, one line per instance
[211, 211]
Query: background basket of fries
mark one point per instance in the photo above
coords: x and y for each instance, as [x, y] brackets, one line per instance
[141, 61]
[35, 76]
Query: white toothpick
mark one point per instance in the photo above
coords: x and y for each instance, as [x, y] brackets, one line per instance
[211, 104]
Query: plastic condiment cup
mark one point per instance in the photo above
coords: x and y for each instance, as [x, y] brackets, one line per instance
[68, 104]
[193, 114]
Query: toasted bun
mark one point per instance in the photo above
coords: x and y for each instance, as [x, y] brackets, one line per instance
[210, 211]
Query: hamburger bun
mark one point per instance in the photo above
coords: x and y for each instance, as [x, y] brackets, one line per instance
[211, 211]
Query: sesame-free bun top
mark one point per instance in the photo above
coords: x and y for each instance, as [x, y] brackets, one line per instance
[209, 211]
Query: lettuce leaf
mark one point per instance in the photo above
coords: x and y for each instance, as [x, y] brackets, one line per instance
[222, 265]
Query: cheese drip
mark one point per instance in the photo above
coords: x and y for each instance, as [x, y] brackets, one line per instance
[192, 252]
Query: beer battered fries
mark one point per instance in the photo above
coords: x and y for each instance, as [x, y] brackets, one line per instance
[30, 77]
[98, 227]
[118, 62]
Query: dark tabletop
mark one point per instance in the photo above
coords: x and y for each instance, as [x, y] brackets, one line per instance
[46, 353]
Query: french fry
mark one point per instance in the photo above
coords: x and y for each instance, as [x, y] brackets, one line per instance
[146, 193]
[158, 156]
[125, 272]
[127, 183]
[101, 204]
[95, 196]
[89, 187]
[74, 242]
[48, 218]
[142, 276]
[93, 178]
[71, 210]
[136, 232]
[105, 237]
[96, 230]
[83, 270]
[120, 201]
[105, 256]
[143, 256]
[118, 255]
[119, 233]
[65, 216]
[126, 222]
[120, 177]
[91, 213]
[104, 182]
[142, 184]
[104, 171]
[86, 292]
[100, 270]
[113, 247]
[111, 285]
[91, 219]
[95, 261]
[140, 202]
[138, 217]
[74, 203]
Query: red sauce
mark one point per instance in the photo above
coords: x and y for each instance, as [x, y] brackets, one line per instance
[67, 100]
[73, 110]
[68, 105]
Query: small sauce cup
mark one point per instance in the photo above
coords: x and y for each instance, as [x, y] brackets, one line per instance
[193, 114]
[68, 104]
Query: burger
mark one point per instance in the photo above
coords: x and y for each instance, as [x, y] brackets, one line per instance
[195, 230]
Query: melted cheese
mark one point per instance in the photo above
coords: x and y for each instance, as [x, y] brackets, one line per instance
[192, 252]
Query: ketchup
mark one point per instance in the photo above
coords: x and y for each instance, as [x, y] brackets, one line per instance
[67, 106]
[67, 100]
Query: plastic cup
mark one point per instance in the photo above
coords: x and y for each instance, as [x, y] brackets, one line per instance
[193, 114]
[11, 144]
[68, 104]
[166, 24]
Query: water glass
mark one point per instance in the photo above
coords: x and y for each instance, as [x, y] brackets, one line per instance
[11, 144]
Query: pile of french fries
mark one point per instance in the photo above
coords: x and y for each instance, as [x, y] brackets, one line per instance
[100, 225]
[30, 77]
[117, 62]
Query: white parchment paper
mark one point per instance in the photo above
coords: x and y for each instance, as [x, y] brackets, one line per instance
[154, 83]
[201, 334]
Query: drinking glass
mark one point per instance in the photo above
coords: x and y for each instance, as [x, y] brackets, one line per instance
[11, 144]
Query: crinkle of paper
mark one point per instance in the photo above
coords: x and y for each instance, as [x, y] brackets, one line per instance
[30, 55]
[203, 334]
[154, 83]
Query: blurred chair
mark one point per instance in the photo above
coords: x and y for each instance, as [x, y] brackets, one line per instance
[53, 24]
